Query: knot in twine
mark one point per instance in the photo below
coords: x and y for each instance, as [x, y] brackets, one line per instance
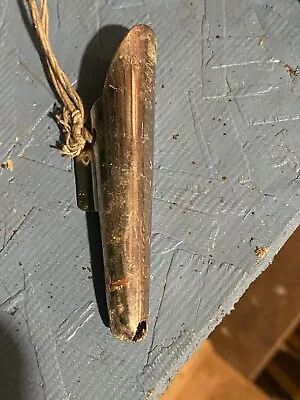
[76, 134]
[72, 118]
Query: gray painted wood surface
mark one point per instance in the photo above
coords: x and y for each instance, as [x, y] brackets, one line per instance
[227, 174]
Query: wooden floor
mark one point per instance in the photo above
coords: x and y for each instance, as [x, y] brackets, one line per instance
[249, 343]
[266, 314]
[208, 377]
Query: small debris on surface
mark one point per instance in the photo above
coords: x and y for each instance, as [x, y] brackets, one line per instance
[291, 71]
[261, 42]
[175, 137]
[13, 310]
[149, 393]
[224, 178]
[8, 164]
[261, 252]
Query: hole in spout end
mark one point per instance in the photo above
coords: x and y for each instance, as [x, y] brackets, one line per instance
[141, 331]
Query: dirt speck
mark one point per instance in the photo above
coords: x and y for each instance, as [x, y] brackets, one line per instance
[150, 391]
[224, 178]
[291, 71]
[261, 252]
[175, 137]
[8, 164]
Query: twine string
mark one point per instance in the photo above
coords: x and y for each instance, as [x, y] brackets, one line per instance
[72, 118]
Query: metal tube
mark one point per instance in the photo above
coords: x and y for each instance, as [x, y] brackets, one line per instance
[123, 123]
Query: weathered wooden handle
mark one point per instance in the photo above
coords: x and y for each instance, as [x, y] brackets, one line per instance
[123, 122]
